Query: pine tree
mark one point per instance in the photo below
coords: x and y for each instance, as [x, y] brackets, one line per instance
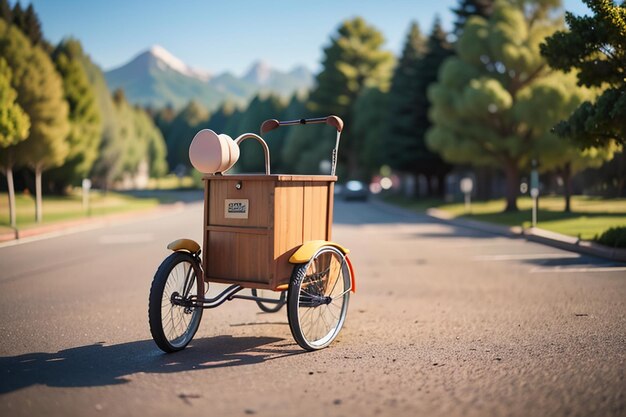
[5, 11]
[40, 93]
[32, 27]
[84, 116]
[469, 8]
[19, 16]
[371, 126]
[430, 163]
[595, 46]
[14, 127]
[353, 60]
[408, 119]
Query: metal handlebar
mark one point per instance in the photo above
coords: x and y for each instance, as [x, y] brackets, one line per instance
[272, 124]
[334, 121]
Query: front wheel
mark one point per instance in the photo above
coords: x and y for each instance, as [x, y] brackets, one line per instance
[173, 318]
[317, 304]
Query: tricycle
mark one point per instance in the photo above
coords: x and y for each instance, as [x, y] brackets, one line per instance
[270, 233]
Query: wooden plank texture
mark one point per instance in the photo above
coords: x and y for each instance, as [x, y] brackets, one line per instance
[284, 211]
[258, 193]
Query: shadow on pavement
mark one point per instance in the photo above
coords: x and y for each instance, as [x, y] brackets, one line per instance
[361, 212]
[98, 364]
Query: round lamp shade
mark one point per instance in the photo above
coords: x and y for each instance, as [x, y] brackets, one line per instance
[210, 153]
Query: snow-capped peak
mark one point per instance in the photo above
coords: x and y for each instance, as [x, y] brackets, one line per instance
[259, 72]
[164, 57]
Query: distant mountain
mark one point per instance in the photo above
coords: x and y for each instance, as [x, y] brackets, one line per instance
[281, 83]
[157, 78]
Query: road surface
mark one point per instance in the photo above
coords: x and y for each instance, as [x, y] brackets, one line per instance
[446, 321]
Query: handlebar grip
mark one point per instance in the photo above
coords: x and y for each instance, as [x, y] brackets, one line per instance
[271, 124]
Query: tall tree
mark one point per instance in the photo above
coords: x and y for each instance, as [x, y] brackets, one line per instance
[488, 96]
[84, 115]
[400, 145]
[5, 11]
[19, 16]
[110, 153]
[14, 127]
[353, 60]
[409, 106]
[559, 96]
[32, 27]
[465, 10]
[595, 46]
[370, 126]
[40, 93]
[469, 8]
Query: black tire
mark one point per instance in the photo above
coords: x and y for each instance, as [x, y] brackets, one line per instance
[319, 292]
[173, 325]
[270, 307]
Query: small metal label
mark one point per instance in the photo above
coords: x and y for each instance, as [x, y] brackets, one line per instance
[236, 208]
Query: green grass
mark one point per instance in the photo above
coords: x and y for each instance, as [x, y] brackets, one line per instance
[171, 182]
[60, 208]
[590, 216]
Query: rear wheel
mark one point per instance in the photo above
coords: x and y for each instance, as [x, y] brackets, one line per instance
[273, 295]
[173, 318]
[319, 292]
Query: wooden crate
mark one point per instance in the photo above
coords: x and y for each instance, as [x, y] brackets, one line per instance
[254, 223]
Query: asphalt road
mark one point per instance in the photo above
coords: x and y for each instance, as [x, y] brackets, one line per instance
[446, 321]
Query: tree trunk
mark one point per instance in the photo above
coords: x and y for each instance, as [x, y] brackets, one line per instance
[483, 185]
[567, 186]
[429, 186]
[38, 203]
[11, 187]
[512, 186]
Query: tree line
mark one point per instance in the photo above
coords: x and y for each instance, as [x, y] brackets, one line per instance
[488, 95]
[508, 86]
[58, 116]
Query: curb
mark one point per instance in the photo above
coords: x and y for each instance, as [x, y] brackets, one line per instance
[533, 234]
[79, 225]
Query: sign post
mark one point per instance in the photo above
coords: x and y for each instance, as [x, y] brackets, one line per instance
[86, 185]
[467, 185]
[534, 191]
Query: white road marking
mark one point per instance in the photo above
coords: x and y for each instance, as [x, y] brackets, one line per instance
[526, 256]
[562, 270]
[126, 238]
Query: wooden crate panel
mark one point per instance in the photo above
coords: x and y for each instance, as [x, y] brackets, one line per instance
[288, 226]
[260, 199]
[235, 256]
[315, 212]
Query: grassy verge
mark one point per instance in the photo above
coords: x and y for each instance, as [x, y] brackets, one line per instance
[60, 208]
[590, 216]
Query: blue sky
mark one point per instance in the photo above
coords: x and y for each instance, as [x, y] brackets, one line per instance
[229, 35]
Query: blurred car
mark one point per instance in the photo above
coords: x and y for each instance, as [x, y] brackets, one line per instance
[355, 190]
